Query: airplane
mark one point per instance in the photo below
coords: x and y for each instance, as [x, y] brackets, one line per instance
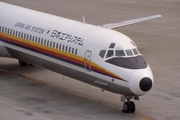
[96, 55]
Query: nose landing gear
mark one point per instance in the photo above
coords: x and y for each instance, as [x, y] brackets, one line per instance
[128, 106]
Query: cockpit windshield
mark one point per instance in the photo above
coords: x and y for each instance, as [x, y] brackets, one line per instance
[135, 51]
[120, 53]
[129, 52]
[125, 58]
[113, 52]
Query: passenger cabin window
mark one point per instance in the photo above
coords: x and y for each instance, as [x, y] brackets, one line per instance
[72, 50]
[129, 52]
[63, 48]
[5, 30]
[21, 35]
[30, 37]
[69, 49]
[51, 44]
[2, 29]
[76, 52]
[120, 53]
[8, 31]
[42, 41]
[59, 46]
[24, 35]
[102, 53]
[36, 39]
[16, 33]
[11, 32]
[66, 48]
[39, 40]
[54, 45]
[27, 36]
[48, 43]
[45, 42]
[110, 53]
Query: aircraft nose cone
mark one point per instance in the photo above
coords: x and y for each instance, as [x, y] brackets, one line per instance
[145, 84]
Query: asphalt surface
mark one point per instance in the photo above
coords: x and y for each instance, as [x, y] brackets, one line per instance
[34, 93]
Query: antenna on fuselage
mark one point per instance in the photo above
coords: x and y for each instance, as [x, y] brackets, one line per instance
[84, 21]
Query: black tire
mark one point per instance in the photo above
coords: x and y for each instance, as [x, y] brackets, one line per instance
[132, 107]
[125, 107]
[21, 63]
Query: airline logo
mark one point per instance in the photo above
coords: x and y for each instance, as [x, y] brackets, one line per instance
[56, 34]
[67, 37]
[29, 27]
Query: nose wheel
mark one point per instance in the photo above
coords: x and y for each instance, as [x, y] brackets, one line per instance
[128, 106]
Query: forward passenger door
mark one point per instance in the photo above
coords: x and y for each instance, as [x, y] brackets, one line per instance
[87, 60]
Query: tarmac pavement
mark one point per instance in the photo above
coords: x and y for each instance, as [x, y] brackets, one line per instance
[34, 93]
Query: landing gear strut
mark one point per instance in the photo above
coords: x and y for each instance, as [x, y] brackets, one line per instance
[128, 106]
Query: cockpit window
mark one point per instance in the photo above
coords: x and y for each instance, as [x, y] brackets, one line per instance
[102, 53]
[110, 53]
[135, 51]
[112, 45]
[119, 53]
[129, 52]
[133, 43]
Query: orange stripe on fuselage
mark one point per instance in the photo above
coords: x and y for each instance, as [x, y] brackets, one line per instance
[65, 56]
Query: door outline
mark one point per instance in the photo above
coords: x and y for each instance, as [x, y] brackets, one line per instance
[87, 60]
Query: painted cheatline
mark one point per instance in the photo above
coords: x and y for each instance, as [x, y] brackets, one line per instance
[78, 61]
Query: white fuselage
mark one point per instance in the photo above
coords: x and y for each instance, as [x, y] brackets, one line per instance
[82, 51]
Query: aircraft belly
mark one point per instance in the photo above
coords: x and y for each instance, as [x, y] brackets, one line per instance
[4, 52]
